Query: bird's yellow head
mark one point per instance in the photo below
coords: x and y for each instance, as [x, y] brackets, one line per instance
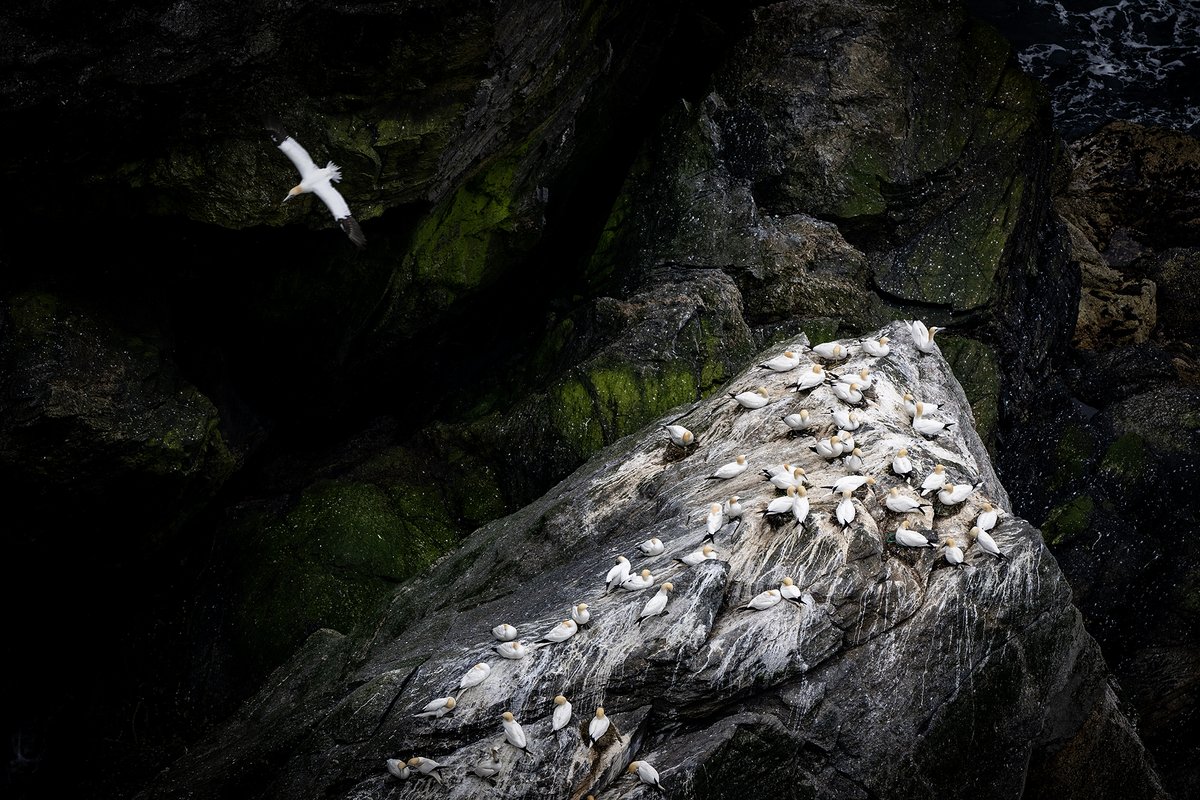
[450, 703]
[559, 700]
[507, 716]
[633, 766]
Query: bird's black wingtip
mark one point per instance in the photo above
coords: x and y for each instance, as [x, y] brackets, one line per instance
[351, 227]
[274, 127]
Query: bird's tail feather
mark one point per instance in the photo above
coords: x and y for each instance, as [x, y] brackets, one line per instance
[335, 172]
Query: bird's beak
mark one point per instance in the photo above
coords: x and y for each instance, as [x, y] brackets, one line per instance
[289, 197]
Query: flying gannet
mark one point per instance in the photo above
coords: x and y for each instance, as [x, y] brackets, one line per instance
[318, 180]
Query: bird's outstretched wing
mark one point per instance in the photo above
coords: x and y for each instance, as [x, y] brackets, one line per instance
[341, 212]
[290, 147]
[350, 226]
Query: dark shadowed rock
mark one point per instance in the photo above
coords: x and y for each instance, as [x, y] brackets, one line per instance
[892, 662]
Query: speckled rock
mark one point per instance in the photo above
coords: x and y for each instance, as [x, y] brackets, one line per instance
[887, 638]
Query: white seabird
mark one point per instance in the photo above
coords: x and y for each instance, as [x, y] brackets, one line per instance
[752, 400]
[733, 468]
[733, 507]
[988, 517]
[788, 360]
[986, 543]
[657, 604]
[830, 448]
[597, 727]
[617, 574]
[848, 392]
[846, 419]
[706, 553]
[513, 650]
[936, 479]
[901, 463]
[952, 552]
[877, 347]
[775, 469]
[488, 769]
[853, 461]
[426, 766]
[562, 713]
[781, 505]
[763, 600]
[437, 708]
[911, 538]
[953, 494]
[399, 768]
[561, 632]
[680, 436]
[863, 378]
[845, 509]
[922, 336]
[847, 440]
[910, 405]
[514, 734]
[318, 180]
[810, 379]
[634, 583]
[928, 426]
[504, 632]
[800, 421]
[800, 505]
[850, 483]
[652, 546]
[788, 590]
[646, 773]
[902, 503]
[714, 520]
[581, 614]
[831, 351]
[795, 477]
[474, 676]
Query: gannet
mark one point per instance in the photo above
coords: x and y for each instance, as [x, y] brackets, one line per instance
[473, 677]
[934, 480]
[735, 467]
[863, 378]
[561, 632]
[504, 632]
[783, 480]
[763, 600]
[911, 538]
[901, 463]
[902, 503]
[800, 421]
[636, 582]
[830, 448]
[922, 336]
[318, 180]
[437, 708]
[706, 553]
[810, 379]
[788, 590]
[512, 650]
[775, 469]
[680, 436]
[845, 509]
[652, 546]
[988, 517]
[715, 519]
[426, 766]
[952, 552]
[580, 614]
[789, 360]
[733, 507]
[657, 604]
[854, 460]
[617, 574]
[562, 713]
[927, 426]
[877, 347]
[646, 773]
[755, 399]
[847, 440]
[848, 392]
[850, 483]
[846, 418]
[910, 405]
[800, 505]
[831, 351]
[781, 505]
[597, 727]
[986, 543]
[514, 734]
[489, 768]
[399, 768]
[952, 494]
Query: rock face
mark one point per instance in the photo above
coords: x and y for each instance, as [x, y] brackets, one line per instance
[895, 675]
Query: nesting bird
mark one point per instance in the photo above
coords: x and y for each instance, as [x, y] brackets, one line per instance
[504, 632]
[634, 583]
[652, 546]
[850, 483]
[810, 379]
[763, 600]
[715, 519]
[514, 734]
[399, 768]
[474, 676]
[987, 517]
[514, 650]
[597, 727]
[831, 351]
[733, 507]
[901, 463]
[680, 436]
[437, 708]
[935, 480]
[784, 362]
[911, 538]
[561, 632]
[877, 347]
[426, 766]
[788, 590]
[488, 769]
[580, 614]
[845, 509]
[781, 505]
[657, 604]
[732, 469]
[800, 421]
[986, 543]
[848, 392]
[617, 574]
[646, 773]
[705, 553]
[562, 713]
[902, 504]
[953, 494]
[952, 552]
[752, 400]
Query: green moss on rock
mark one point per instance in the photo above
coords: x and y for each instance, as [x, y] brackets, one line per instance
[1072, 455]
[974, 365]
[1068, 520]
[1126, 457]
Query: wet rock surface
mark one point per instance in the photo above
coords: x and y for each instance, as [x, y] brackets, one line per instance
[888, 638]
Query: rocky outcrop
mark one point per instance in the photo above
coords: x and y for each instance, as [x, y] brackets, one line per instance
[894, 675]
